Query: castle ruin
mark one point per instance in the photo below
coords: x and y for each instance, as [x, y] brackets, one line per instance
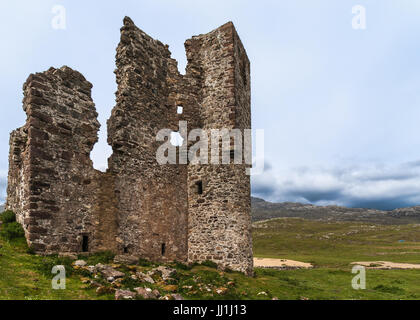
[183, 212]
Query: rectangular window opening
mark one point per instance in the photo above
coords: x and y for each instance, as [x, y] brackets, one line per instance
[125, 249]
[163, 249]
[179, 110]
[199, 187]
[232, 155]
[85, 244]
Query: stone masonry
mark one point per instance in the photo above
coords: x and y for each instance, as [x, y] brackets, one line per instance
[183, 212]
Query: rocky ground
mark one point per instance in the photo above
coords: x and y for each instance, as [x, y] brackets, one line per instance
[129, 278]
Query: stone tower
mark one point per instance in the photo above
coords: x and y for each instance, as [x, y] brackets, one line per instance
[219, 195]
[185, 212]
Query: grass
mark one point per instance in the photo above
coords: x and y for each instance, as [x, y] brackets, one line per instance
[331, 247]
[23, 277]
[336, 244]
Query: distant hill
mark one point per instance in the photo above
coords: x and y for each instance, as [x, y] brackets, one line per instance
[263, 210]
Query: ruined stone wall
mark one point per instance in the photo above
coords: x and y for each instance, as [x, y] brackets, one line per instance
[152, 199]
[138, 206]
[219, 218]
[17, 190]
[50, 164]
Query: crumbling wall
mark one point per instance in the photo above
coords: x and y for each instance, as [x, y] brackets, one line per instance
[138, 206]
[152, 198]
[17, 190]
[54, 171]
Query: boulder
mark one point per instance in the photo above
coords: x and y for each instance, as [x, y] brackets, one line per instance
[117, 283]
[147, 293]
[221, 290]
[156, 293]
[166, 272]
[108, 271]
[124, 295]
[91, 269]
[101, 290]
[177, 296]
[80, 263]
[144, 277]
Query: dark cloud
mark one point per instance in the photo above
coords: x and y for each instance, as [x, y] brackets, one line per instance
[314, 195]
[261, 186]
[264, 189]
[371, 186]
[381, 204]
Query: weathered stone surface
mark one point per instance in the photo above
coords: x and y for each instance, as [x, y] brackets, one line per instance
[144, 277]
[156, 293]
[124, 295]
[138, 207]
[219, 219]
[221, 291]
[146, 293]
[91, 269]
[177, 296]
[49, 161]
[109, 272]
[166, 272]
[80, 263]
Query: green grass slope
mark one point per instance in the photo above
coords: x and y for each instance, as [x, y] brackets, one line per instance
[331, 247]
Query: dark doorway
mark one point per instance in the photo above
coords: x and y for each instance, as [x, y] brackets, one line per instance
[85, 244]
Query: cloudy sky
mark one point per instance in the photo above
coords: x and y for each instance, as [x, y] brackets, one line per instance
[340, 107]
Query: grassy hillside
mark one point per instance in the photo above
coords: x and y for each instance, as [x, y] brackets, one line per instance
[331, 247]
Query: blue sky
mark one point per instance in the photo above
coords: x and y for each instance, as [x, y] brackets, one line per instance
[340, 107]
